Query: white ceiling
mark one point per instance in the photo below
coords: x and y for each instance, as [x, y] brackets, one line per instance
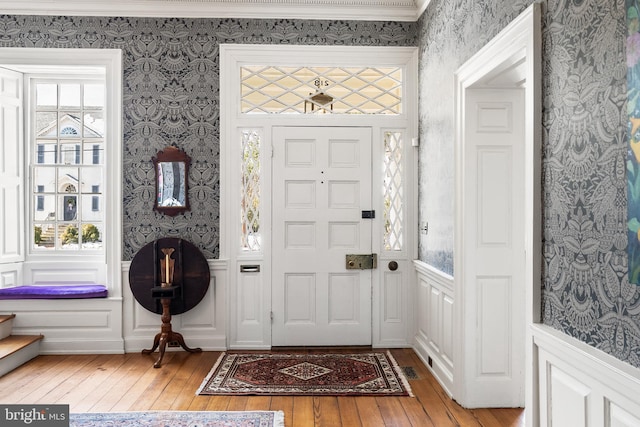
[376, 10]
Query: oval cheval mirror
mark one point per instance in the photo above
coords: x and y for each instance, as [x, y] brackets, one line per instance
[172, 185]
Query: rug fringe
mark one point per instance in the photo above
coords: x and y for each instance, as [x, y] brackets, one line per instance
[400, 374]
[278, 419]
[206, 379]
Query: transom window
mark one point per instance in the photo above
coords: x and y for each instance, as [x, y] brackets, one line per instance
[321, 90]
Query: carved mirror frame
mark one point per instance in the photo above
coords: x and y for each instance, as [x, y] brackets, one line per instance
[171, 167]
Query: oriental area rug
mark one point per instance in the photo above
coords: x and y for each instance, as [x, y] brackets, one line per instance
[315, 374]
[179, 419]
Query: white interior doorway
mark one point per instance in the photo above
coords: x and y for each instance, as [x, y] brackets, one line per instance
[498, 240]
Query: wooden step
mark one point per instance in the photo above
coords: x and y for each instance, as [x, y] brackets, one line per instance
[16, 350]
[6, 325]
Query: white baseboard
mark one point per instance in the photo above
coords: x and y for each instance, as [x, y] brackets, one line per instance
[442, 372]
[82, 346]
[249, 346]
[137, 344]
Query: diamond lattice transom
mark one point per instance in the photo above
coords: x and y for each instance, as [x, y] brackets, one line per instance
[393, 223]
[313, 90]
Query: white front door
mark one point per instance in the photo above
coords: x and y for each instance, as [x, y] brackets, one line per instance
[321, 185]
[494, 254]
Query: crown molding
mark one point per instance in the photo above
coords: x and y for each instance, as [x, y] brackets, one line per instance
[361, 10]
[421, 6]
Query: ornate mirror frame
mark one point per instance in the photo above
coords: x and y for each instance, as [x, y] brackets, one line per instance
[171, 167]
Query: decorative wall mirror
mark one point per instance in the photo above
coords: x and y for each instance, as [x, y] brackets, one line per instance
[172, 185]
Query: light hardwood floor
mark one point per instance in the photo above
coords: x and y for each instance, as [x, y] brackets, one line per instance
[128, 382]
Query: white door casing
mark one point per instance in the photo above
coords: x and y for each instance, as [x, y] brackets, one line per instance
[249, 297]
[321, 184]
[510, 60]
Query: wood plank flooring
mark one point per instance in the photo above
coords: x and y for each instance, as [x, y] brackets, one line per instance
[128, 382]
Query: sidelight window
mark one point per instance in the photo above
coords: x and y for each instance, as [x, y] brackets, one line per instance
[250, 190]
[393, 191]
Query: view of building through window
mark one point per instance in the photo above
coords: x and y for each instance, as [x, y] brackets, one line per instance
[67, 133]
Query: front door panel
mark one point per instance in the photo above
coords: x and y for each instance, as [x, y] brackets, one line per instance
[321, 185]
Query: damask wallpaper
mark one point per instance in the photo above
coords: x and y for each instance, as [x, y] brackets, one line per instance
[171, 95]
[450, 32]
[586, 289]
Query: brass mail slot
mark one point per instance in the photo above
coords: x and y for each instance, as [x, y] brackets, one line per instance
[361, 262]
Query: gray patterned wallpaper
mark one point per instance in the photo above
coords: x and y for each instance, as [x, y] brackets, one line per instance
[171, 95]
[586, 291]
[450, 32]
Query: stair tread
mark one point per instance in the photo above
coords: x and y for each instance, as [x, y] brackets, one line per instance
[6, 317]
[13, 343]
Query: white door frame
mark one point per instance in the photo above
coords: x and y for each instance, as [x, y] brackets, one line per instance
[518, 46]
[248, 295]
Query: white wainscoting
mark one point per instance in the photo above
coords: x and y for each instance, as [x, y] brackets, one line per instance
[433, 341]
[249, 307]
[10, 274]
[393, 312]
[90, 326]
[118, 323]
[69, 326]
[203, 326]
[579, 386]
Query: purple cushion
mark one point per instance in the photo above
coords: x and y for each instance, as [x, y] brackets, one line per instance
[54, 291]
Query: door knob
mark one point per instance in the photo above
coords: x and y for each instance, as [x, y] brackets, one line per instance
[393, 265]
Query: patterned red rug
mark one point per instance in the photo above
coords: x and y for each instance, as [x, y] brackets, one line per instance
[325, 374]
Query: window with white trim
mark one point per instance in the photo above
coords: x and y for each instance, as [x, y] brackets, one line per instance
[55, 158]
